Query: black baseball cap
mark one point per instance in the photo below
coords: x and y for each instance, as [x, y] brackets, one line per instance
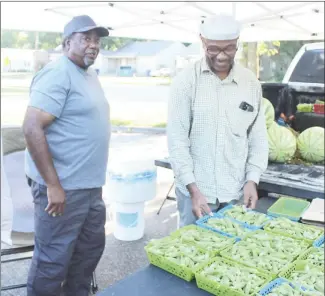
[83, 23]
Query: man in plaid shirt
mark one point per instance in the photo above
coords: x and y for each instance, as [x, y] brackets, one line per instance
[217, 136]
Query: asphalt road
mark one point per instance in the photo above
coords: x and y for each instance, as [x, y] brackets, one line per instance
[121, 258]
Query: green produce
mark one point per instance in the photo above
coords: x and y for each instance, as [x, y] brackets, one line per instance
[228, 226]
[175, 251]
[286, 290]
[207, 240]
[316, 256]
[268, 112]
[262, 258]
[309, 276]
[246, 216]
[293, 229]
[238, 278]
[311, 144]
[319, 102]
[280, 244]
[305, 107]
[282, 143]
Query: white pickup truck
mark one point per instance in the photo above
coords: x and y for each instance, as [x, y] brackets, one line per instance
[302, 83]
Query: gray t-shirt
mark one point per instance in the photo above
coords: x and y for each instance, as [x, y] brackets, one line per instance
[79, 136]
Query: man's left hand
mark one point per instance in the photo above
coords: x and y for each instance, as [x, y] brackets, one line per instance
[250, 195]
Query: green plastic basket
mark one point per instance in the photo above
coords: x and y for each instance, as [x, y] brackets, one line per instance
[304, 256]
[296, 266]
[304, 226]
[214, 251]
[227, 254]
[218, 289]
[303, 244]
[180, 271]
[288, 207]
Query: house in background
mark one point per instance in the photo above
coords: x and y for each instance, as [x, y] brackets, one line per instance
[16, 60]
[195, 52]
[192, 53]
[145, 57]
[101, 63]
[140, 56]
[23, 60]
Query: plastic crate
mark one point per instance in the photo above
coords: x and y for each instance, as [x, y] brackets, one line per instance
[222, 213]
[180, 271]
[304, 256]
[278, 282]
[218, 289]
[303, 244]
[288, 207]
[214, 251]
[227, 255]
[296, 265]
[202, 223]
[319, 243]
[283, 233]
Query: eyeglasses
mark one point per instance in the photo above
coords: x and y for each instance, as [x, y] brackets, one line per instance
[229, 50]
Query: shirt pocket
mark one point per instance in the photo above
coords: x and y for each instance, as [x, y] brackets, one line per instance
[239, 121]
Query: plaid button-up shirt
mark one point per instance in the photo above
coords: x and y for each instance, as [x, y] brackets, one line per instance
[212, 141]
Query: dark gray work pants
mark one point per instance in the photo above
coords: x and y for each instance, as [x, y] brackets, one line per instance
[68, 247]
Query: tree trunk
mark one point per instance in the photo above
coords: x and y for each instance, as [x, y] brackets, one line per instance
[252, 58]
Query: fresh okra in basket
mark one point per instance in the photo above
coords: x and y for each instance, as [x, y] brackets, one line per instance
[294, 229]
[308, 276]
[278, 243]
[252, 218]
[316, 256]
[261, 258]
[234, 277]
[228, 226]
[286, 289]
[207, 240]
[175, 251]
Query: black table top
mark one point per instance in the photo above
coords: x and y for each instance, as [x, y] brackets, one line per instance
[286, 179]
[153, 281]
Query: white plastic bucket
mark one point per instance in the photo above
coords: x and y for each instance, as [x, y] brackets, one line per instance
[128, 221]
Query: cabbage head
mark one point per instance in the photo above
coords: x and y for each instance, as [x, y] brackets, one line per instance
[268, 112]
[282, 143]
[311, 144]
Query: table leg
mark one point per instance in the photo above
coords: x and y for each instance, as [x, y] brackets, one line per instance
[167, 197]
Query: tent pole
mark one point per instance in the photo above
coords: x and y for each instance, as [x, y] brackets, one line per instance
[234, 6]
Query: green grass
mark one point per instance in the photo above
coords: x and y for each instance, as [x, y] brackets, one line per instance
[161, 124]
[14, 90]
[128, 123]
[119, 122]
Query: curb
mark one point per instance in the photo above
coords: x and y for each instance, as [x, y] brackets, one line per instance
[139, 130]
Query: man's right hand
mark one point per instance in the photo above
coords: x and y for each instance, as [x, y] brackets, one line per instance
[200, 205]
[56, 200]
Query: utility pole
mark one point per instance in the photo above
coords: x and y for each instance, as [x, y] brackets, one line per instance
[37, 40]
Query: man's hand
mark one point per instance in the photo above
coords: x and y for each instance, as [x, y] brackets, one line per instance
[56, 200]
[250, 195]
[200, 205]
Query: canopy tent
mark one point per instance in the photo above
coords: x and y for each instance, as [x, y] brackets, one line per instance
[261, 21]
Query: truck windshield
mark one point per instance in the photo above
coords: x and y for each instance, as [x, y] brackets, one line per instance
[310, 68]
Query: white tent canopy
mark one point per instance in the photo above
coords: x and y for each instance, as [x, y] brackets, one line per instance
[261, 21]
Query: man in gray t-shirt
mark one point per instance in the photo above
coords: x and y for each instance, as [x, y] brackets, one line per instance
[67, 132]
